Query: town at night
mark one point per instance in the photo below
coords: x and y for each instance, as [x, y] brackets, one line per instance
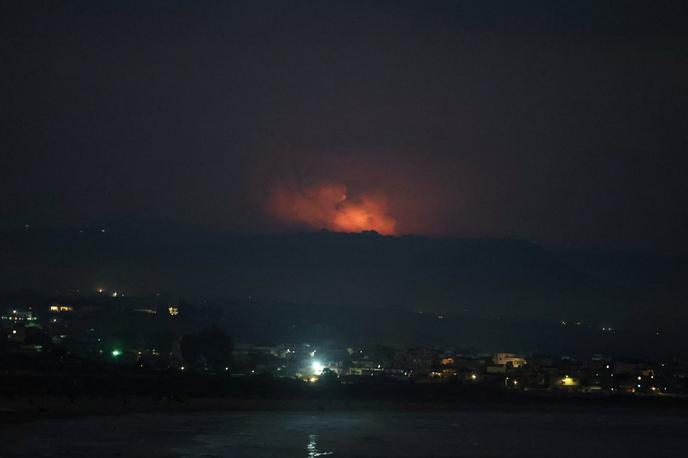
[73, 345]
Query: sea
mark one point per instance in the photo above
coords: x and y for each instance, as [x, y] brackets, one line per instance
[311, 434]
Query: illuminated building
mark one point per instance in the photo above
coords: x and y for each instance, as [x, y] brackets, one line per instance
[508, 359]
[449, 361]
[57, 308]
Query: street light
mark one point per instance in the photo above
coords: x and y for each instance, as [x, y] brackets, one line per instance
[317, 367]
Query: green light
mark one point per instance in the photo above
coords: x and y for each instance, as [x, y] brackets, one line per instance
[116, 353]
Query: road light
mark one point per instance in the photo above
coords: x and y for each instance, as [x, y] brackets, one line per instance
[317, 367]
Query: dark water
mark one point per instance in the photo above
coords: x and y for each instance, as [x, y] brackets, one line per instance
[354, 434]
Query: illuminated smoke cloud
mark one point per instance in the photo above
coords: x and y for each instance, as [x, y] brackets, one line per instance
[328, 207]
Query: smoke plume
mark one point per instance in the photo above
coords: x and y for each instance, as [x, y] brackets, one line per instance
[327, 206]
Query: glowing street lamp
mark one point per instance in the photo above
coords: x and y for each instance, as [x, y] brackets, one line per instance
[317, 367]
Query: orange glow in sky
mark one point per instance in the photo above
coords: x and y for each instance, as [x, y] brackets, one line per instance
[328, 206]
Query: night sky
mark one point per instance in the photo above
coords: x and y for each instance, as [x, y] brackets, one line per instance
[563, 122]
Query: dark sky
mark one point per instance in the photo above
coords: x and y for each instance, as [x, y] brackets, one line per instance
[558, 121]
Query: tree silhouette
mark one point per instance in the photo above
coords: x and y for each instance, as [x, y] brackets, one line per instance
[211, 349]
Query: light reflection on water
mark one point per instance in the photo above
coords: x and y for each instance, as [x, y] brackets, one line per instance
[312, 447]
[361, 434]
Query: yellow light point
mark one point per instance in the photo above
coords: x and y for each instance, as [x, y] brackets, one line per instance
[568, 381]
[172, 310]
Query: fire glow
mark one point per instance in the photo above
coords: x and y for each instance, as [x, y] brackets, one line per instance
[328, 207]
